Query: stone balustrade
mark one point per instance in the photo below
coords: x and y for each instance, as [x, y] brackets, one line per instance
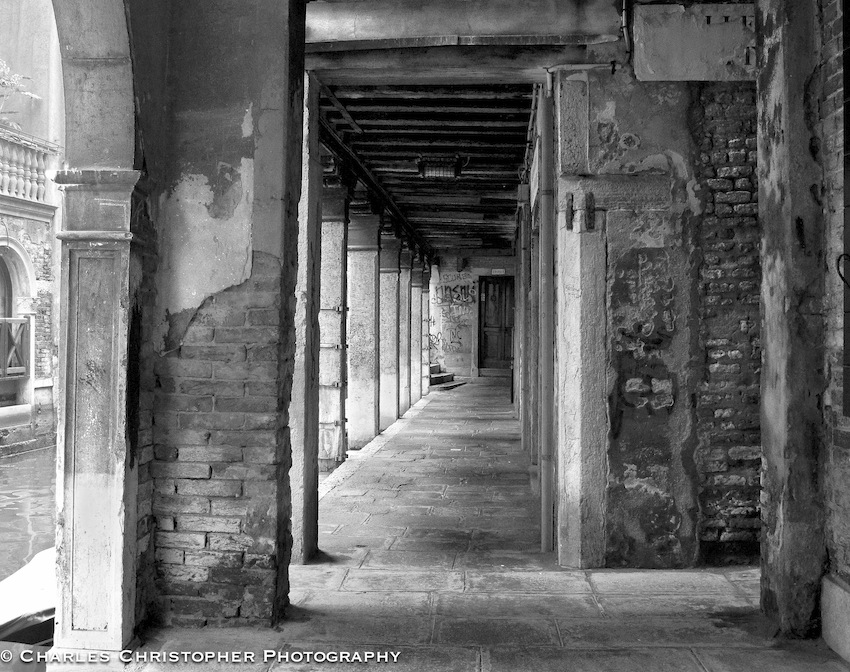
[23, 160]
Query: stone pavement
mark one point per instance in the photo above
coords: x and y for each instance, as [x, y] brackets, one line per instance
[430, 550]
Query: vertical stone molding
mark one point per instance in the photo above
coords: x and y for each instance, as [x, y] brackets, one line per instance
[332, 324]
[304, 403]
[389, 318]
[97, 474]
[425, 361]
[416, 332]
[363, 325]
[790, 171]
[581, 384]
[405, 263]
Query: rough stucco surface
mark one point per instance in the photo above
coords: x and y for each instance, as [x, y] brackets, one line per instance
[205, 243]
[790, 192]
[836, 408]
[641, 130]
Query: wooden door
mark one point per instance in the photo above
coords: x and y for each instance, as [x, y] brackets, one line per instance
[496, 322]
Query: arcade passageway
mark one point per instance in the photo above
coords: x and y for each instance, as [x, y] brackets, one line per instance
[429, 540]
[284, 226]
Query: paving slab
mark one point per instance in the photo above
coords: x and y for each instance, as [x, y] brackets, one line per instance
[548, 659]
[673, 605]
[493, 632]
[358, 604]
[471, 605]
[646, 631]
[308, 626]
[789, 657]
[658, 582]
[381, 580]
[430, 559]
[482, 581]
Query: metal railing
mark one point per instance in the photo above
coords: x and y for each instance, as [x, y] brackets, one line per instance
[14, 347]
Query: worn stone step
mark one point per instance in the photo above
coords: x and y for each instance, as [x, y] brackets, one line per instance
[440, 378]
[436, 368]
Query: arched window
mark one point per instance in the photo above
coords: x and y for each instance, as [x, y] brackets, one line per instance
[6, 296]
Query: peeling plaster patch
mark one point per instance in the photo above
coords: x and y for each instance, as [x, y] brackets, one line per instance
[248, 122]
[679, 167]
[205, 245]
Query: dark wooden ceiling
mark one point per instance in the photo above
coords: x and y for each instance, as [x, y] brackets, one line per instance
[389, 128]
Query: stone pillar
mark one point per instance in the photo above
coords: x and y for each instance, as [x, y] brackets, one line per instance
[389, 317]
[304, 403]
[792, 377]
[363, 326]
[425, 346]
[405, 262]
[581, 418]
[332, 324]
[416, 332]
[97, 475]
[533, 344]
[523, 319]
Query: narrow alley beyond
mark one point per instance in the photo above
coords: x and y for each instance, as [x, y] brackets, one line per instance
[430, 549]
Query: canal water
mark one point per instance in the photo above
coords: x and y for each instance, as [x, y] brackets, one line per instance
[27, 505]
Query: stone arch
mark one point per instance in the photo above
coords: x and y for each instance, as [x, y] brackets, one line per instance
[98, 76]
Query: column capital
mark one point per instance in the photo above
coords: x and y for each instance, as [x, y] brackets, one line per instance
[416, 275]
[426, 278]
[117, 180]
[390, 252]
[97, 200]
[405, 259]
[364, 230]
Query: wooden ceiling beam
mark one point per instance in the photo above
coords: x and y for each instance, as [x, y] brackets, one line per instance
[334, 144]
[505, 92]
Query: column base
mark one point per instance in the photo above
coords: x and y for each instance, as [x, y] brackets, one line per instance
[835, 615]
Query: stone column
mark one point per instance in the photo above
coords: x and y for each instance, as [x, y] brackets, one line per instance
[405, 262]
[533, 344]
[792, 377]
[581, 418]
[389, 317]
[97, 475]
[332, 324]
[363, 326]
[416, 332]
[426, 329]
[304, 403]
[523, 289]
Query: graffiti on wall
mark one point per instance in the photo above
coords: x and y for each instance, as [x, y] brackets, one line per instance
[455, 301]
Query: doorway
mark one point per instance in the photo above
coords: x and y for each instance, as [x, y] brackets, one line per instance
[496, 326]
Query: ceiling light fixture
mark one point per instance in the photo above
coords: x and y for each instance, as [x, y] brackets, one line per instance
[441, 167]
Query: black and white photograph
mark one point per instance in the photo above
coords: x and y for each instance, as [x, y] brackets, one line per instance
[447, 336]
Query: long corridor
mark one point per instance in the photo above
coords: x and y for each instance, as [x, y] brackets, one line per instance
[430, 541]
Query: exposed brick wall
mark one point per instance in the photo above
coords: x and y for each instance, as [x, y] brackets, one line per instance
[216, 468]
[729, 454]
[837, 466]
